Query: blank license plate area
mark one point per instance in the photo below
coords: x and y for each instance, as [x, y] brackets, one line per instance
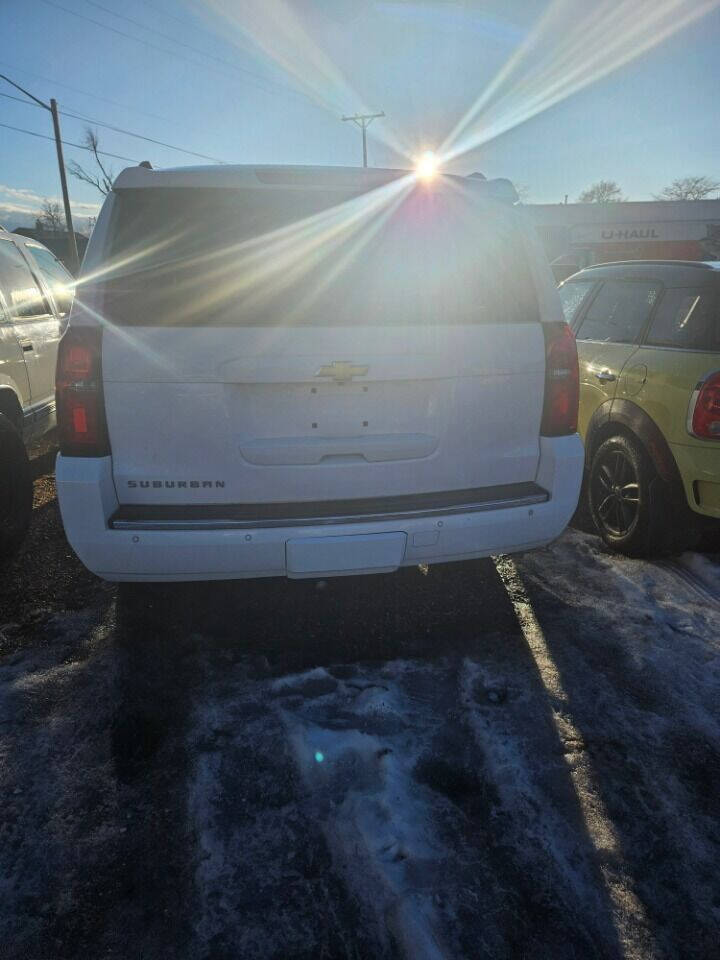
[328, 409]
[313, 556]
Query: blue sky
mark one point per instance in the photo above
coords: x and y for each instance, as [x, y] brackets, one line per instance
[267, 80]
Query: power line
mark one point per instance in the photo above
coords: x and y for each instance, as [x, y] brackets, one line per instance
[175, 53]
[203, 53]
[68, 143]
[109, 126]
[84, 93]
[180, 43]
[105, 26]
[165, 14]
[52, 108]
[9, 96]
[139, 136]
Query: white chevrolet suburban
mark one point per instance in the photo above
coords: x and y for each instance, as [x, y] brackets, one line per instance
[311, 372]
[35, 296]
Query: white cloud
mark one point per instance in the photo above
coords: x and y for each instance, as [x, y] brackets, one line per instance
[22, 193]
[15, 208]
[23, 204]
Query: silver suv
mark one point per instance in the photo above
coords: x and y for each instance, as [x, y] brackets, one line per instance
[35, 296]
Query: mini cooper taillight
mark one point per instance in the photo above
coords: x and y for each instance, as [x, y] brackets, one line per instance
[704, 410]
[79, 395]
[562, 382]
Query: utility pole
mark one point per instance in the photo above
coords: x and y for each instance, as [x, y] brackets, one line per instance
[52, 108]
[63, 183]
[363, 120]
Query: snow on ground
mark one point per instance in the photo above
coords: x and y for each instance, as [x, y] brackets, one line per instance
[548, 793]
[633, 663]
[498, 759]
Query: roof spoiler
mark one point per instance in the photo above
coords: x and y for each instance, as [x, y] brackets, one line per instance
[500, 188]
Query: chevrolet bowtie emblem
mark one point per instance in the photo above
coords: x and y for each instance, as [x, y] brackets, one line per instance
[341, 371]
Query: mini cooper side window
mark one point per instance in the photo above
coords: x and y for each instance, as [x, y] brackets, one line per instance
[687, 318]
[619, 311]
[572, 295]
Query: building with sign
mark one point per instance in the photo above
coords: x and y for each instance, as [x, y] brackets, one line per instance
[578, 234]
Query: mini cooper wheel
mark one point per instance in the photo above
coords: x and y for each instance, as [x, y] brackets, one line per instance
[629, 503]
[615, 490]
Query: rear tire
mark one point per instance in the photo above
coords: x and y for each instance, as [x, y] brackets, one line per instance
[16, 489]
[634, 510]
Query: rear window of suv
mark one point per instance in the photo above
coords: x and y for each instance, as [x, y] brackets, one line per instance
[193, 257]
[688, 318]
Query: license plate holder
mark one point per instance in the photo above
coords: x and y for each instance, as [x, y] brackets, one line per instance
[344, 555]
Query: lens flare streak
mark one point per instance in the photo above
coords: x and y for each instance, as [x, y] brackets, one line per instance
[565, 53]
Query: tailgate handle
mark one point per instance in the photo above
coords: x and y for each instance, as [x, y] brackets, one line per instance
[606, 376]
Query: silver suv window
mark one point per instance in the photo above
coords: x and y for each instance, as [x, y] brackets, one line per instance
[23, 296]
[55, 275]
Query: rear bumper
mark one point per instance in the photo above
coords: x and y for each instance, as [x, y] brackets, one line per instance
[88, 502]
[699, 465]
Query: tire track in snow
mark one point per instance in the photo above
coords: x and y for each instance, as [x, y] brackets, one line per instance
[692, 580]
[356, 746]
[546, 826]
[264, 878]
[637, 658]
[414, 814]
[630, 917]
[348, 811]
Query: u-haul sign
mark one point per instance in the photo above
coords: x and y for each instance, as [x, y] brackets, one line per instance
[669, 232]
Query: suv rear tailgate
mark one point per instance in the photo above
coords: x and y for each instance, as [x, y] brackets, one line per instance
[364, 349]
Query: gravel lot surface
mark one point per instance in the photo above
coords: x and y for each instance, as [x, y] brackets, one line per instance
[502, 759]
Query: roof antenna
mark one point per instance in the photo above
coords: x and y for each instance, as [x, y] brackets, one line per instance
[145, 164]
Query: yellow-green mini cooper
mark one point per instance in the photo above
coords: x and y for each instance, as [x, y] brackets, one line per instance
[648, 337]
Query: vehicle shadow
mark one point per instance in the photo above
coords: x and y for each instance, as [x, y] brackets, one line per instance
[654, 768]
[504, 873]
[43, 463]
[42, 454]
[45, 575]
[299, 624]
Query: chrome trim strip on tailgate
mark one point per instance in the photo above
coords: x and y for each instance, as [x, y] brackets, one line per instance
[118, 522]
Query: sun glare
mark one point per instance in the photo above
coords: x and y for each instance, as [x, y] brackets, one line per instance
[427, 166]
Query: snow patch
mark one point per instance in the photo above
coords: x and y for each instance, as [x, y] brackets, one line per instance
[378, 823]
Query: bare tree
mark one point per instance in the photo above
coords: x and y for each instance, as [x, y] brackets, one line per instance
[604, 191]
[689, 188]
[101, 178]
[523, 192]
[51, 216]
[90, 226]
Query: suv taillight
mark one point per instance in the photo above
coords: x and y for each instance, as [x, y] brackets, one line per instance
[704, 414]
[560, 409]
[79, 394]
